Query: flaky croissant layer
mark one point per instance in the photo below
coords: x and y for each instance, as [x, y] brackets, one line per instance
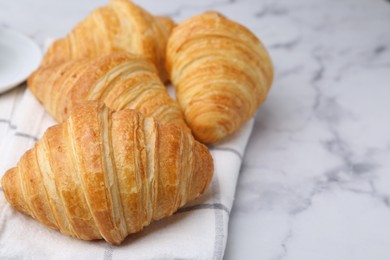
[105, 174]
[121, 80]
[221, 73]
[119, 26]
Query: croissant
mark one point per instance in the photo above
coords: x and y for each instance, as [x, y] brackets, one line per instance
[119, 26]
[221, 73]
[120, 80]
[105, 174]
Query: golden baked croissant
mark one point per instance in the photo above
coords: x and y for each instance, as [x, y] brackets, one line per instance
[104, 174]
[120, 80]
[221, 73]
[119, 26]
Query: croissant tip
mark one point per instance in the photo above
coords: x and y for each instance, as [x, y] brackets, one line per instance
[6, 182]
[11, 190]
[31, 77]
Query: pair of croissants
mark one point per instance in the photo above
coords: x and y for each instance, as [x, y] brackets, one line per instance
[124, 153]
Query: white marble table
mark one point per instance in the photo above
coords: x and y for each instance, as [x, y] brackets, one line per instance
[315, 183]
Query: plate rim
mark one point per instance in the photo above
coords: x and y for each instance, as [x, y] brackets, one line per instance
[32, 45]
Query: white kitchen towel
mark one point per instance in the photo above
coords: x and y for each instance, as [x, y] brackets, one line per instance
[8, 103]
[197, 231]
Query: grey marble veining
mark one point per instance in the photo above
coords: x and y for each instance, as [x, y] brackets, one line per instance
[315, 182]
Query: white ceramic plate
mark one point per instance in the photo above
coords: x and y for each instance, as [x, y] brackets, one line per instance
[19, 56]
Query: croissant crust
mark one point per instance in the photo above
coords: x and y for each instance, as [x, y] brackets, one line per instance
[119, 26]
[120, 80]
[221, 73]
[105, 174]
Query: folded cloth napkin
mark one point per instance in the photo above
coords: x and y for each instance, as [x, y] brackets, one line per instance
[196, 231]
